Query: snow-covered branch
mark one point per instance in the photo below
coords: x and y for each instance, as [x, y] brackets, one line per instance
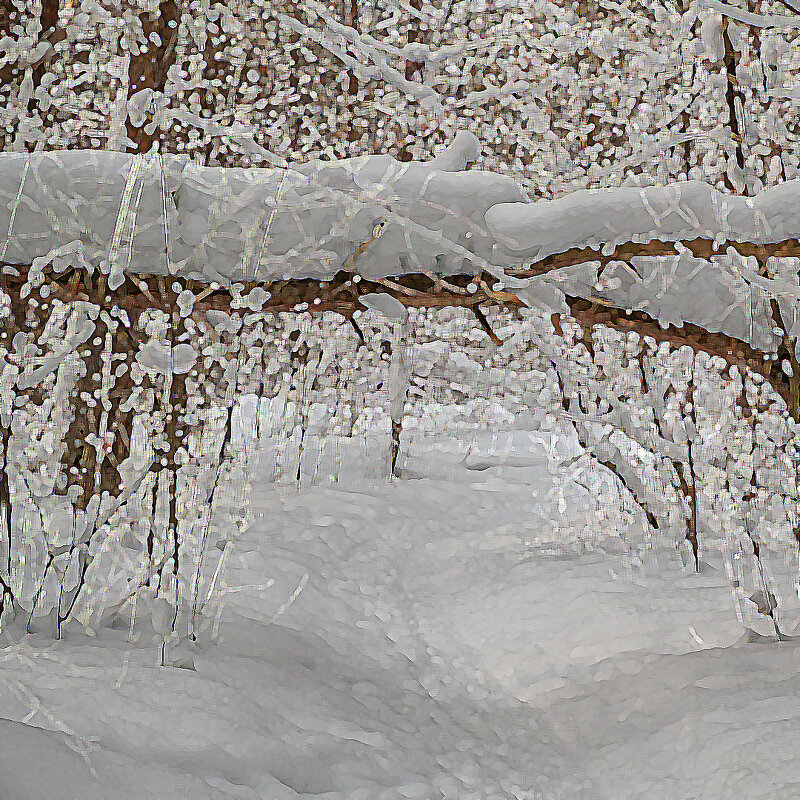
[756, 20]
[307, 221]
[379, 68]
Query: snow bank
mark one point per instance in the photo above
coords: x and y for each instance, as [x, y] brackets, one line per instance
[379, 641]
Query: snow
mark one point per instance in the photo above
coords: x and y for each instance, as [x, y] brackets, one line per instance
[75, 200]
[677, 211]
[711, 37]
[114, 211]
[493, 623]
[464, 632]
[756, 20]
[159, 357]
[169, 216]
[722, 295]
[392, 309]
[464, 148]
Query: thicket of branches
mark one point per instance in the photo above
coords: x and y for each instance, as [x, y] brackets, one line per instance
[562, 96]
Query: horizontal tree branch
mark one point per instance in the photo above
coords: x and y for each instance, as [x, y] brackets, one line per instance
[700, 248]
[733, 351]
[341, 295]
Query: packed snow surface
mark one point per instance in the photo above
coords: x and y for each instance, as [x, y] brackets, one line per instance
[463, 632]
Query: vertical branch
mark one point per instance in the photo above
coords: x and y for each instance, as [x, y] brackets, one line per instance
[84, 458]
[691, 533]
[732, 96]
[49, 22]
[787, 351]
[762, 97]
[688, 490]
[148, 67]
[309, 384]
[5, 520]
[795, 517]
[6, 409]
[353, 376]
[748, 498]
[414, 35]
[13, 72]
[298, 62]
[97, 477]
[223, 454]
[615, 467]
[298, 363]
[351, 19]
[767, 604]
[398, 387]
[7, 10]
[175, 413]
[685, 116]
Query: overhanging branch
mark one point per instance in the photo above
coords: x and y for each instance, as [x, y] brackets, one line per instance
[700, 248]
[733, 351]
[341, 295]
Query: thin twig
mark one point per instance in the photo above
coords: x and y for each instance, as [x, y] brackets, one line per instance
[789, 6]
[439, 283]
[398, 287]
[357, 329]
[205, 293]
[485, 325]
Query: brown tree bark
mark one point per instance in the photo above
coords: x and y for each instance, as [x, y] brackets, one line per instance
[148, 68]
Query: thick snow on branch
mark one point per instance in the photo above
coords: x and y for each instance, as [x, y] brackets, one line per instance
[610, 217]
[724, 296]
[381, 217]
[168, 215]
[315, 215]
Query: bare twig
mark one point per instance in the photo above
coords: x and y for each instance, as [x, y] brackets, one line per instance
[485, 325]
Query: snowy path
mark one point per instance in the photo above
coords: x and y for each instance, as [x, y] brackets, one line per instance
[431, 653]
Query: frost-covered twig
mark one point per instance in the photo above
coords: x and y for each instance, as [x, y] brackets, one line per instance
[767, 606]
[603, 450]
[82, 540]
[756, 20]
[209, 509]
[379, 68]
[285, 605]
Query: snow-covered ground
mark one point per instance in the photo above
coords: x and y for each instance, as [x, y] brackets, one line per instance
[465, 632]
